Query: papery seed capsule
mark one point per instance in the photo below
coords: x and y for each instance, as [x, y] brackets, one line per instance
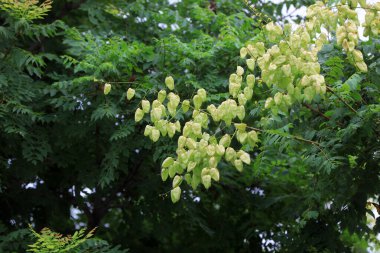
[176, 181]
[164, 174]
[167, 162]
[155, 135]
[238, 165]
[244, 157]
[225, 141]
[230, 154]
[214, 173]
[175, 194]
[107, 88]
[251, 81]
[145, 105]
[197, 100]
[239, 71]
[202, 94]
[161, 95]
[169, 81]
[130, 93]
[206, 181]
[139, 115]
[251, 64]
[243, 52]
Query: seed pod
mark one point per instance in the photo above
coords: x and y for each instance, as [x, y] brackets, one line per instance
[107, 88]
[190, 166]
[191, 144]
[252, 137]
[181, 141]
[139, 115]
[239, 71]
[243, 52]
[175, 194]
[248, 93]
[148, 130]
[155, 135]
[358, 56]
[167, 162]
[185, 105]
[219, 149]
[202, 94]
[230, 154]
[164, 174]
[240, 112]
[176, 181]
[210, 150]
[214, 173]
[225, 141]
[251, 64]
[238, 165]
[169, 81]
[130, 93]
[206, 181]
[244, 157]
[161, 96]
[241, 137]
[251, 81]
[171, 129]
[241, 99]
[145, 105]
[197, 100]
[155, 114]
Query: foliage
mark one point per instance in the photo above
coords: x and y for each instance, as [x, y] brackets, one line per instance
[71, 84]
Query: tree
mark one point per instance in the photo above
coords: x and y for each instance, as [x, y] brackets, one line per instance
[73, 139]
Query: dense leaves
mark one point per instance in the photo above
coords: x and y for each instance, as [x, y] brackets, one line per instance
[75, 75]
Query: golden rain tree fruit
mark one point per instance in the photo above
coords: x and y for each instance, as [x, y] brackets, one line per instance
[169, 81]
[139, 115]
[161, 95]
[251, 64]
[239, 70]
[107, 88]
[164, 174]
[214, 173]
[175, 194]
[145, 106]
[130, 93]
[243, 52]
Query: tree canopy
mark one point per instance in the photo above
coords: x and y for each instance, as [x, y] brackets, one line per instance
[192, 126]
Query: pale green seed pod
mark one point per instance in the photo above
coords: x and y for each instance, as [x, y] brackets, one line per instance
[251, 64]
[240, 112]
[169, 81]
[139, 115]
[161, 96]
[145, 106]
[148, 130]
[176, 181]
[197, 100]
[239, 71]
[230, 154]
[214, 173]
[202, 94]
[251, 81]
[206, 181]
[175, 194]
[167, 162]
[219, 149]
[244, 157]
[155, 135]
[238, 165]
[225, 141]
[164, 174]
[243, 52]
[130, 93]
[107, 88]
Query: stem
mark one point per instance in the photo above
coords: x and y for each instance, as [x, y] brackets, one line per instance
[341, 99]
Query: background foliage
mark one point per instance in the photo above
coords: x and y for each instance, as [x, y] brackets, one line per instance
[66, 147]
